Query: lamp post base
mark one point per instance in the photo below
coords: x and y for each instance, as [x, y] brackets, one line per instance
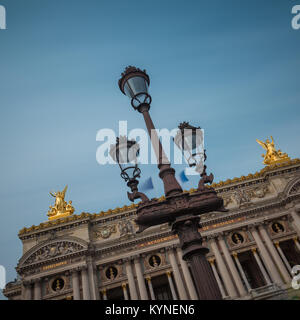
[191, 244]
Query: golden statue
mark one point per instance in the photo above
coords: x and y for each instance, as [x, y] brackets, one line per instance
[61, 208]
[272, 155]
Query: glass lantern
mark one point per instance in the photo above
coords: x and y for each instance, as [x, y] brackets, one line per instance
[190, 140]
[134, 84]
[125, 153]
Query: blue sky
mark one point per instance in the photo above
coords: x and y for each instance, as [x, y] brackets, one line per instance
[231, 67]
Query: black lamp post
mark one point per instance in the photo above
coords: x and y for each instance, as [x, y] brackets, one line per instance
[180, 209]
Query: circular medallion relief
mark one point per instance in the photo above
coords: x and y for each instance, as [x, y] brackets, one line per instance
[111, 273]
[277, 227]
[237, 238]
[154, 261]
[58, 284]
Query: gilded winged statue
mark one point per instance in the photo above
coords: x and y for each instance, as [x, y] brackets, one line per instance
[59, 196]
[61, 208]
[272, 155]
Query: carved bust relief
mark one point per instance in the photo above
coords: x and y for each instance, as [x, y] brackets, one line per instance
[237, 238]
[154, 260]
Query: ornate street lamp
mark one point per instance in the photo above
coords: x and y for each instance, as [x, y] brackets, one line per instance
[181, 210]
[134, 83]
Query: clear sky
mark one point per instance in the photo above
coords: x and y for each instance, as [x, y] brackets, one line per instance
[231, 67]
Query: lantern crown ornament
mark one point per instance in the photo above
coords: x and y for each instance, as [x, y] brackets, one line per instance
[134, 83]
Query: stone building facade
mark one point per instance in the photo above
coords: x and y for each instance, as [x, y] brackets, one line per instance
[253, 247]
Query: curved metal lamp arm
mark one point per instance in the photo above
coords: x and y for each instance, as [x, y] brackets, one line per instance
[205, 179]
[135, 194]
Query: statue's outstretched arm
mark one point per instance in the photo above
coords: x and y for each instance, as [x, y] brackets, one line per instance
[53, 195]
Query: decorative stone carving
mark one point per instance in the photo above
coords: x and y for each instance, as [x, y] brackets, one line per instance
[105, 232]
[60, 248]
[242, 198]
[111, 272]
[154, 260]
[277, 227]
[295, 189]
[58, 284]
[259, 192]
[237, 238]
[125, 228]
[227, 200]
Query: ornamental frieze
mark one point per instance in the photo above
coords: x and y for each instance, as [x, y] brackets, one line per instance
[126, 228]
[259, 192]
[105, 232]
[53, 250]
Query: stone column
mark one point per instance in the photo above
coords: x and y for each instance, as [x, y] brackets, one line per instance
[283, 256]
[266, 257]
[296, 219]
[93, 283]
[37, 289]
[174, 295]
[125, 293]
[214, 269]
[274, 254]
[85, 284]
[75, 284]
[296, 243]
[27, 290]
[103, 291]
[177, 276]
[235, 255]
[131, 282]
[223, 270]
[261, 267]
[232, 268]
[187, 276]
[140, 279]
[150, 288]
